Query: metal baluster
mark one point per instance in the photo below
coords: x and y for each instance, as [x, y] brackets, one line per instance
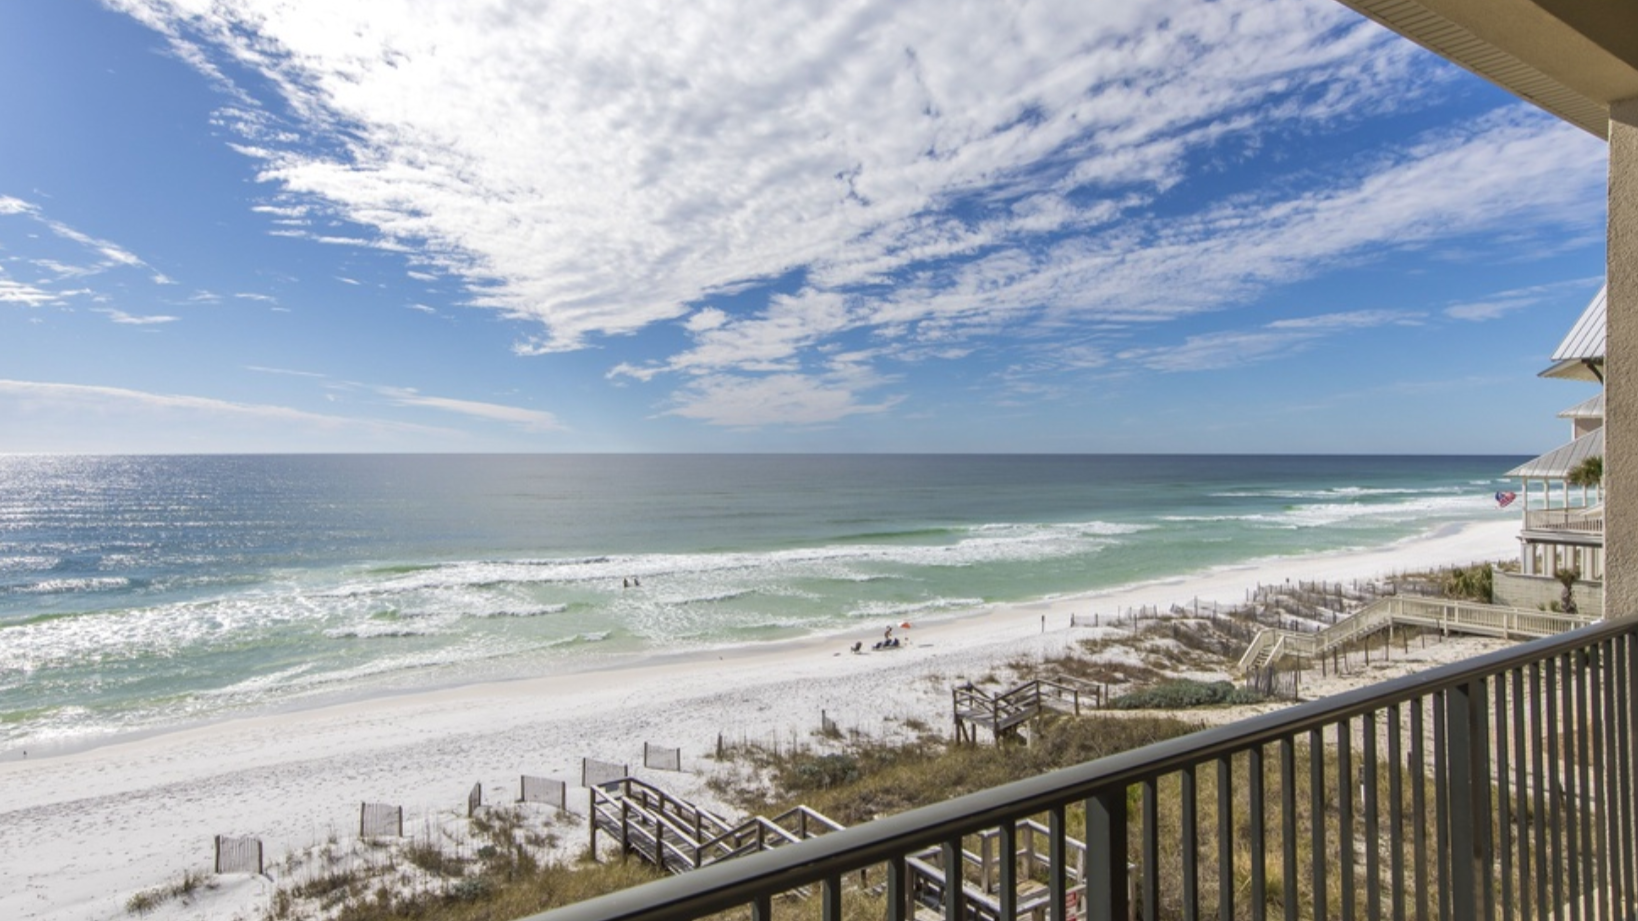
[1504, 803]
[1288, 825]
[1598, 726]
[954, 909]
[1225, 839]
[1572, 838]
[1583, 791]
[1396, 814]
[830, 898]
[1259, 844]
[1345, 817]
[1441, 804]
[898, 889]
[1626, 681]
[1151, 849]
[1057, 867]
[1317, 825]
[1521, 794]
[1189, 792]
[1373, 838]
[1547, 751]
[1419, 806]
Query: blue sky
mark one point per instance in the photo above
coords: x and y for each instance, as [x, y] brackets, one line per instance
[926, 225]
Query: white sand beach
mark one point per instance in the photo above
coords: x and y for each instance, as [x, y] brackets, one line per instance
[81, 832]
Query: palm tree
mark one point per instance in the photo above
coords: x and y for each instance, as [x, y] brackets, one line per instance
[1589, 472]
[1566, 578]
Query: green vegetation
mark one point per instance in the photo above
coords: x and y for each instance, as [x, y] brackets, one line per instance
[870, 779]
[184, 889]
[1567, 578]
[1474, 583]
[1589, 472]
[495, 875]
[1184, 693]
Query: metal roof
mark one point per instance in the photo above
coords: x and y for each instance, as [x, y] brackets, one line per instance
[1586, 409]
[1557, 464]
[1580, 357]
[1586, 338]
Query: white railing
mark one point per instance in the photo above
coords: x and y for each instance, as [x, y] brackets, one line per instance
[1579, 520]
[1447, 615]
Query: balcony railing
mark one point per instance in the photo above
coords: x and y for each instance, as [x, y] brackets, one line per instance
[1497, 787]
[1578, 520]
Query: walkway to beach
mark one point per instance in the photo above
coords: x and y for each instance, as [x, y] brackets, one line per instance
[678, 836]
[1273, 644]
[1004, 713]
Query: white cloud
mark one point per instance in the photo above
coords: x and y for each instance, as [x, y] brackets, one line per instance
[1236, 348]
[101, 256]
[1217, 351]
[15, 292]
[532, 420]
[642, 167]
[705, 320]
[1502, 303]
[658, 159]
[39, 395]
[776, 399]
[286, 371]
[125, 319]
[1354, 319]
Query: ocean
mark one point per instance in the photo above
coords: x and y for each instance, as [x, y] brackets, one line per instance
[145, 593]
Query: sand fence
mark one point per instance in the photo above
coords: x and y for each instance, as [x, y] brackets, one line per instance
[545, 790]
[658, 758]
[238, 855]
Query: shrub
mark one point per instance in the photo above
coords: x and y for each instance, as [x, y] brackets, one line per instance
[1184, 693]
[822, 772]
[1472, 582]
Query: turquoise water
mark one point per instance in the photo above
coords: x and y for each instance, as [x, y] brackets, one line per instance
[140, 593]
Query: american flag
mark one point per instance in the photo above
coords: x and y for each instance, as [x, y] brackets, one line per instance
[1504, 499]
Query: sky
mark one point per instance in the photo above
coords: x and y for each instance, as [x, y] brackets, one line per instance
[1240, 226]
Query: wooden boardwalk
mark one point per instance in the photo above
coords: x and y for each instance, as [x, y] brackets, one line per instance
[678, 836]
[1004, 712]
[1445, 615]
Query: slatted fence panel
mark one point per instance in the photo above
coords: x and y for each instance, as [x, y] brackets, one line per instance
[379, 820]
[594, 773]
[662, 759]
[543, 790]
[238, 855]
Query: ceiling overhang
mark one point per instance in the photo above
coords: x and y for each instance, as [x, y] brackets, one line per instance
[1570, 57]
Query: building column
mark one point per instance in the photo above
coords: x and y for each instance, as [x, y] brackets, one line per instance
[1621, 369]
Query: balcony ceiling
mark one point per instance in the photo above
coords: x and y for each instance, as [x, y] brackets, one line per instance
[1571, 57]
